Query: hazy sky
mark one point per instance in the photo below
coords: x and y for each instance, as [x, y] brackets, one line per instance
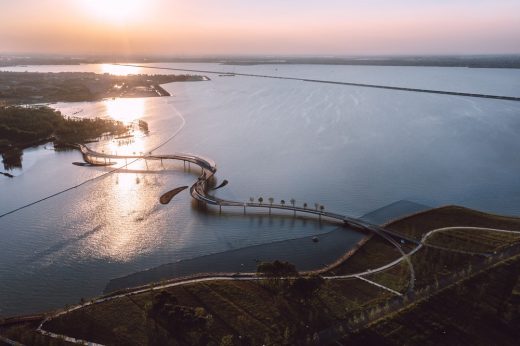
[318, 27]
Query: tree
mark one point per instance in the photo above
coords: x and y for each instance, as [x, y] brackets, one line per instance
[293, 202]
[228, 340]
[282, 202]
[305, 289]
[271, 200]
[276, 269]
[305, 205]
[260, 200]
[177, 318]
[232, 340]
[251, 199]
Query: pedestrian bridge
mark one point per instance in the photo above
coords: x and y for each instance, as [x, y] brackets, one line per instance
[199, 190]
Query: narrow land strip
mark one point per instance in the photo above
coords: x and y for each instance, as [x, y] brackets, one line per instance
[362, 85]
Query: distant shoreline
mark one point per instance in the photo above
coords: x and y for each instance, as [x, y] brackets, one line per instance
[470, 61]
[48, 87]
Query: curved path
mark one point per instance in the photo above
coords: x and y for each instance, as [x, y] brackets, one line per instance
[199, 191]
[446, 229]
[252, 277]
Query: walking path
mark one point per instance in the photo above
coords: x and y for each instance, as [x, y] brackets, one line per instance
[251, 277]
[379, 285]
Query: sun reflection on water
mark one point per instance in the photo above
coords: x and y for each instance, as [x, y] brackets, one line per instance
[120, 70]
[129, 111]
[126, 207]
[129, 196]
[125, 109]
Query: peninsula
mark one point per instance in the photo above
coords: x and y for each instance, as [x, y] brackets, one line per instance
[35, 87]
[23, 127]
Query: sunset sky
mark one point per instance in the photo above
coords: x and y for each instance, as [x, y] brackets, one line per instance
[316, 27]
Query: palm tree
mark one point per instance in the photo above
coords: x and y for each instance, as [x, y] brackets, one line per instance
[282, 202]
[271, 200]
[305, 205]
[293, 202]
[260, 200]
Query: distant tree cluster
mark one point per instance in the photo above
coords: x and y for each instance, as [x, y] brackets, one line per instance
[21, 127]
[35, 87]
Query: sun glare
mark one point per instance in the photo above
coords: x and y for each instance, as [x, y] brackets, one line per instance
[125, 109]
[113, 11]
[120, 70]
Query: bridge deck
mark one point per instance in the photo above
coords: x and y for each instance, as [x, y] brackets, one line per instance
[199, 192]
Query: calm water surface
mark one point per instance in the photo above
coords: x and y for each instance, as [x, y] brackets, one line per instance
[351, 149]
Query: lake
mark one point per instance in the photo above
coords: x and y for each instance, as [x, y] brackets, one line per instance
[351, 149]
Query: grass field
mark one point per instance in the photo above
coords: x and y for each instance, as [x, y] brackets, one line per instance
[451, 216]
[254, 309]
[375, 253]
[473, 240]
[456, 295]
[483, 310]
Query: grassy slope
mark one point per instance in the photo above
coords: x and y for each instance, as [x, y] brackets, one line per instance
[473, 240]
[255, 310]
[483, 310]
[375, 253]
[418, 224]
[245, 308]
[434, 264]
